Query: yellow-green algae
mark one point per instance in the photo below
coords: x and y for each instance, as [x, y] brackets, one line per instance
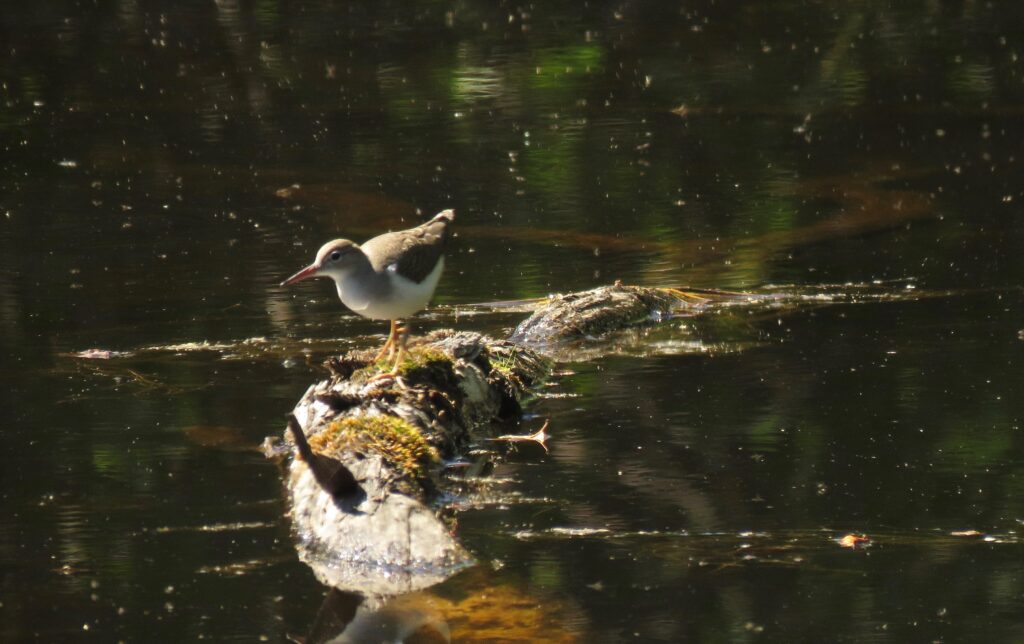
[506, 363]
[393, 438]
[415, 358]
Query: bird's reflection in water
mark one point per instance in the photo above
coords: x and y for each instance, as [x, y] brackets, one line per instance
[350, 617]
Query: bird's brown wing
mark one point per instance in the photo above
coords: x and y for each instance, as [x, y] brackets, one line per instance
[414, 253]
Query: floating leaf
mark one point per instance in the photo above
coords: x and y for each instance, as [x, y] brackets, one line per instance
[854, 541]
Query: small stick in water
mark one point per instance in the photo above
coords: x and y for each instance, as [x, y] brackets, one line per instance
[540, 437]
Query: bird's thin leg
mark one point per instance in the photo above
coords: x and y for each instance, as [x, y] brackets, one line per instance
[402, 338]
[400, 328]
[389, 346]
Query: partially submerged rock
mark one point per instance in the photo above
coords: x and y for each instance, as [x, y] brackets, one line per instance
[361, 488]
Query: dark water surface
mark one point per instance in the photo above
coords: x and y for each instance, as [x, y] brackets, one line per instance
[165, 164]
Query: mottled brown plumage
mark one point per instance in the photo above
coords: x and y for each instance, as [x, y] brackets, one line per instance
[414, 252]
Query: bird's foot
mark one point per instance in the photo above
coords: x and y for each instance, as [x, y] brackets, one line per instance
[387, 375]
[390, 375]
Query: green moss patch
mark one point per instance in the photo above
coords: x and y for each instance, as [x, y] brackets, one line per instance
[415, 358]
[393, 438]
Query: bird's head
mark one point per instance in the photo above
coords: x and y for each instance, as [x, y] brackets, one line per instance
[334, 259]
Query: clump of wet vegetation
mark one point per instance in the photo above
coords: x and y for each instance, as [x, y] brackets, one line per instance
[505, 363]
[399, 442]
[416, 358]
[420, 356]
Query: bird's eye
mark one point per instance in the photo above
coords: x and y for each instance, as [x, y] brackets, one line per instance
[336, 255]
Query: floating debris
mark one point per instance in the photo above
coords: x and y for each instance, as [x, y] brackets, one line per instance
[580, 532]
[216, 527]
[235, 569]
[854, 541]
[99, 354]
[203, 345]
[287, 192]
[524, 535]
[540, 437]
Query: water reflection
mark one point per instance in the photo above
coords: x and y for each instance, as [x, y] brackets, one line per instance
[350, 617]
[470, 609]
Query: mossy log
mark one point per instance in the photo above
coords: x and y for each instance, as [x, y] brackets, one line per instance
[371, 454]
[588, 315]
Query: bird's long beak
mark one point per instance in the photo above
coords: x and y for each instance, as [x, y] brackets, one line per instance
[305, 273]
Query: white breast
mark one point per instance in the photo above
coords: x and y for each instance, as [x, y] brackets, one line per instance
[405, 297]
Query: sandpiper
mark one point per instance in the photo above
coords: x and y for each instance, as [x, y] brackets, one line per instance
[389, 277]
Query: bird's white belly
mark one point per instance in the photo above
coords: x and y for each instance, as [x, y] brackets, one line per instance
[405, 297]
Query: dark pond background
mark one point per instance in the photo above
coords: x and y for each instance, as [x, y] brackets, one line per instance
[164, 164]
